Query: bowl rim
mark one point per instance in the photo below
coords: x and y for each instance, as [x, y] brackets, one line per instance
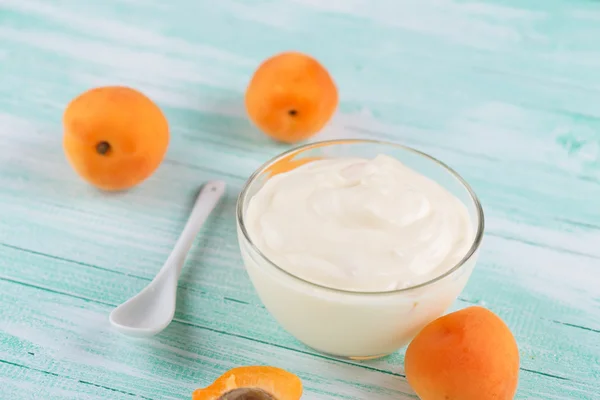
[477, 238]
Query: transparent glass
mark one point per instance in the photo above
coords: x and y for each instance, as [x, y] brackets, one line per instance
[353, 324]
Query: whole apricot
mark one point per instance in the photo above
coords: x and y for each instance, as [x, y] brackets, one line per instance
[466, 355]
[114, 137]
[291, 97]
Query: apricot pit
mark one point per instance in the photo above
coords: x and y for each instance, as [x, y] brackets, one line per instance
[247, 394]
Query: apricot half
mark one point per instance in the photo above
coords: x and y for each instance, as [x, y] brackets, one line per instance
[291, 97]
[114, 137]
[467, 355]
[252, 383]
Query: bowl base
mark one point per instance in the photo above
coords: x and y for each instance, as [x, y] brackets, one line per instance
[365, 358]
[354, 358]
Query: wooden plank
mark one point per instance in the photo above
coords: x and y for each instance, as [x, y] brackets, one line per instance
[93, 222]
[72, 336]
[514, 208]
[68, 335]
[22, 382]
[227, 302]
[504, 129]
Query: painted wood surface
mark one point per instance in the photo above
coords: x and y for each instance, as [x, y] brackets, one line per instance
[506, 92]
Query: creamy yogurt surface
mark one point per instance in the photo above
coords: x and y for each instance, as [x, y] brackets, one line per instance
[357, 224]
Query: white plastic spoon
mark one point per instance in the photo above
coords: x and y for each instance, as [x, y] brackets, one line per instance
[152, 310]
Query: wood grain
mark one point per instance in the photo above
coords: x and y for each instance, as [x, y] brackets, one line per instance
[504, 92]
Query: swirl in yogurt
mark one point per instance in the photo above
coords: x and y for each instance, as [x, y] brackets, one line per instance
[359, 225]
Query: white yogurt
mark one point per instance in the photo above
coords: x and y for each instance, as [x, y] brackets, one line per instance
[359, 225]
[357, 228]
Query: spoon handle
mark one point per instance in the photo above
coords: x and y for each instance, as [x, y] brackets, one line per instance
[209, 196]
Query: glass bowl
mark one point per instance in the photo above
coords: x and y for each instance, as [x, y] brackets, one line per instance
[350, 324]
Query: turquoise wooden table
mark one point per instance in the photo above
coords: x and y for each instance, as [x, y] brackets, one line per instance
[506, 92]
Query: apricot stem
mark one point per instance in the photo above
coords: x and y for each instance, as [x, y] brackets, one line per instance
[292, 112]
[102, 148]
[247, 394]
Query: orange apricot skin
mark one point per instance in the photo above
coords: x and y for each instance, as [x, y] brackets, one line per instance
[287, 164]
[281, 384]
[467, 355]
[134, 127]
[291, 97]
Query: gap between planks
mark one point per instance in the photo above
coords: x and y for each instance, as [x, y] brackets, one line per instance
[73, 379]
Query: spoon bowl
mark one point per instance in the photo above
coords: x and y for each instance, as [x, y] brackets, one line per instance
[150, 311]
